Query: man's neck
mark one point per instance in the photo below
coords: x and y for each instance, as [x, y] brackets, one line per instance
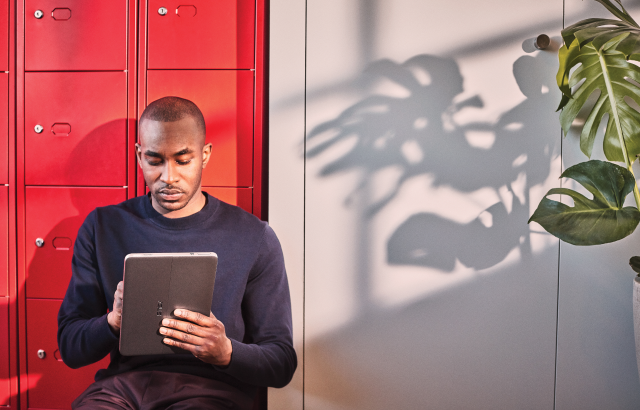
[195, 205]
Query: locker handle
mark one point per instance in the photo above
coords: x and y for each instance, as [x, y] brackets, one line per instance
[62, 244]
[186, 11]
[61, 129]
[61, 14]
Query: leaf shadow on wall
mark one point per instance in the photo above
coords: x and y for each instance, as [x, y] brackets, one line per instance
[485, 345]
[419, 135]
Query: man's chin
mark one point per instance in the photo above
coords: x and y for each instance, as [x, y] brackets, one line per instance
[172, 204]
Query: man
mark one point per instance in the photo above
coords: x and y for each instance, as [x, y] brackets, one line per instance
[246, 341]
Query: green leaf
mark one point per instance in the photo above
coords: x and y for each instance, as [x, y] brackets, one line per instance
[620, 13]
[602, 219]
[634, 262]
[589, 29]
[602, 70]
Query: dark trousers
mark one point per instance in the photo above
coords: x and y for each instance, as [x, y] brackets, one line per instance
[155, 390]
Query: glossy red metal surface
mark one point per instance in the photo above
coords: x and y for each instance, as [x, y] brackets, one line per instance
[201, 34]
[5, 381]
[4, 241]
[4, 128]
[242, 197]
[226, 101]
[55, 214]
[52, 385]
[75, 35]
[4, 35]
[89, 112]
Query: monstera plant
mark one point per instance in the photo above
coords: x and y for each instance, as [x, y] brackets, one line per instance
[598, 63]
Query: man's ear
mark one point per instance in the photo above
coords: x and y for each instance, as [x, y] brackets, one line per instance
[139, 154]
[206, 154]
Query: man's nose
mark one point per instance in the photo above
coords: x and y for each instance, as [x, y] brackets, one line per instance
[169, 173]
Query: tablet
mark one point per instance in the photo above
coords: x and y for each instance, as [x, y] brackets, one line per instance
[155, 284]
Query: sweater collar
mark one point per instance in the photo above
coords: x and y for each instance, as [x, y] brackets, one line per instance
[210, 207]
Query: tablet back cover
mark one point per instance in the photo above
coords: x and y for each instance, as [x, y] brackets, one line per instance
[154, 286]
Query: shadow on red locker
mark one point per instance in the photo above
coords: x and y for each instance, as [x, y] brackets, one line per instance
[53, 216]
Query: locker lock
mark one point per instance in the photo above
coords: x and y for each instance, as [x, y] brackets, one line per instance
[38, 14]
[38, 129]
[39, 242]
[162, 11]
[42, 354]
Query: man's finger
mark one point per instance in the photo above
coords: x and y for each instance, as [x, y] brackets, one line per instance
[181, 336]
[186, 346]
[183, 326]
[194, 317]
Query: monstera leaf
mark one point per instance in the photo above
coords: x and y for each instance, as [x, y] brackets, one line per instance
[603, 30]
[634, 262]
[602, 219]
[604, 69]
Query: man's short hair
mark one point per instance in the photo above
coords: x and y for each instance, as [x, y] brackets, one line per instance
[169, 109]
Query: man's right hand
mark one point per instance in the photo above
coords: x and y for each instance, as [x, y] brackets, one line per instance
[115, 316]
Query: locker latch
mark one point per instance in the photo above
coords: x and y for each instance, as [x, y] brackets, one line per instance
[61, 14]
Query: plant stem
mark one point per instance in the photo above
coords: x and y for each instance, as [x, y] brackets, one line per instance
[616, 118]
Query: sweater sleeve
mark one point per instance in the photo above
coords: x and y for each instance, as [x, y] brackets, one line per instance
[84, 336]
[266, 357]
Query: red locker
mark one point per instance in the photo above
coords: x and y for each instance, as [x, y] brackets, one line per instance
[54, 215]
[5, 392]
[4, 241]
[76, 128]
[201, 34]
[4, 128]
[242, 197]
[226, 101]
[75, 35]
[52, 385]
[4, 36]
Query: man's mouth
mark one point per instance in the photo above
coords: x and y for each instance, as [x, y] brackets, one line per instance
[170, 194]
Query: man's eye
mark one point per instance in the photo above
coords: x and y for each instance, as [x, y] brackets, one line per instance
[183, 162]
[154, 163]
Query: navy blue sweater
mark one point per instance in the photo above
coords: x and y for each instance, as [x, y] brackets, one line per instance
[251, 294]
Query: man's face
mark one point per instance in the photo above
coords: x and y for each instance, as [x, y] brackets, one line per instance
[172, 156]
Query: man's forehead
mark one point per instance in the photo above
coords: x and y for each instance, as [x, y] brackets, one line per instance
[168, 134]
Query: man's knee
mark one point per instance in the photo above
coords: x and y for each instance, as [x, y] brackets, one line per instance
[98, 405]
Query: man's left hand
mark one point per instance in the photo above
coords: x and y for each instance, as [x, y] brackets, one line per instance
[203, 336]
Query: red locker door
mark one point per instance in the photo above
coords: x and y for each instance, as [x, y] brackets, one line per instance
[201, 34]
[242, 197]
[4, 128]
[226, 101]
[76, 128]
[4, 36]
[75, 35]
[5, 388]
[4, 240]
[54, 214]
[52, 385]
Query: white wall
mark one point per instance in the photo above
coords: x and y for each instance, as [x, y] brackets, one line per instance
[410, 141]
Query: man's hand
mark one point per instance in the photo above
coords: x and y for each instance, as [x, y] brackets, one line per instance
[115, 316]
[203, 336]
